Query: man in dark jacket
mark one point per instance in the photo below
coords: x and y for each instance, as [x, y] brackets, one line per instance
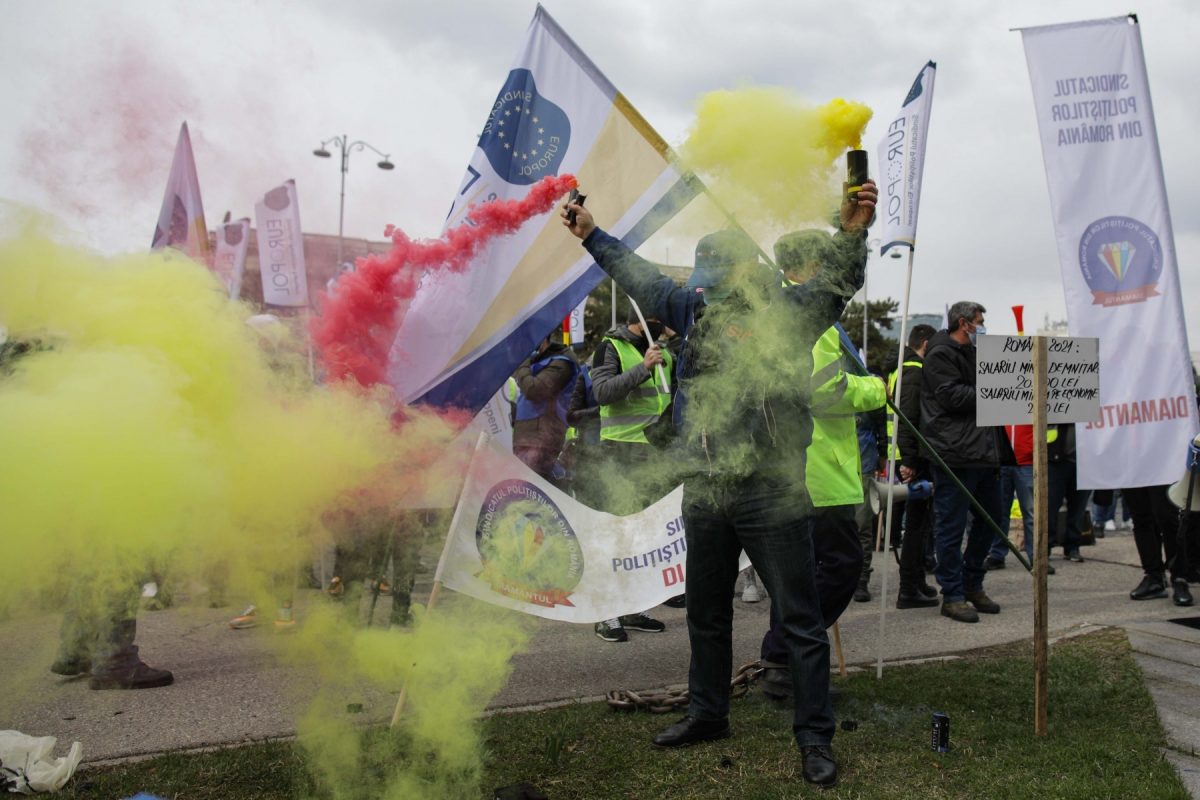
[974, 453]
[914, 591]
[545, 382]
[744, 424]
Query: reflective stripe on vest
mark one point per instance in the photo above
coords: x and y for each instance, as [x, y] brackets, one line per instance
[627, 420]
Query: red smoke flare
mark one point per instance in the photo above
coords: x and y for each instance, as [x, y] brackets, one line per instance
[359, 318]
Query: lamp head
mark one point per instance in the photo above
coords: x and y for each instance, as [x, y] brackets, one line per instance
[385, 164]
[321, 152]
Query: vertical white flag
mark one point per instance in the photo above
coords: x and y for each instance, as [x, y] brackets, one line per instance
[281, 247]
[181, 219]
[578, 331]
[229, 262]
[902, 158]
[1116, 247]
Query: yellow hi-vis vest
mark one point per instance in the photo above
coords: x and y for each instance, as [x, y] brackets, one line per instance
[891, 390]
[834, 474]
[627, 420]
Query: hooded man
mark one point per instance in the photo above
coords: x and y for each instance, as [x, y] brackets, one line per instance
[743, 421]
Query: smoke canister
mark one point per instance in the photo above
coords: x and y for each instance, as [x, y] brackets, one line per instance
[941, 732]
[856, 172]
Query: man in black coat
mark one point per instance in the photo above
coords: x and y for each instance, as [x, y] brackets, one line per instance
[974, 453]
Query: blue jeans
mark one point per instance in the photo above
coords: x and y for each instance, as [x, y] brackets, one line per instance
[1018, 480]
[960, 571]
[770, 518]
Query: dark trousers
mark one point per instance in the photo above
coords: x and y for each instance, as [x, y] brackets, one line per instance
[768, 517]
[918, 522]
[961, 570]
[1156, 529]
[1061, 486]
[839, 562]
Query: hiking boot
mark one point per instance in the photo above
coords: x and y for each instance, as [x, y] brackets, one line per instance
[70, 666]
[611, 633]
[1181, 595]
[959, 612]
[862, 594]
[247, 619]
[992, 563]
[819, 766]
[914, 599]
[140, 676]
[690, 730]
[641, 622]
[983, 604]
[1151, 588]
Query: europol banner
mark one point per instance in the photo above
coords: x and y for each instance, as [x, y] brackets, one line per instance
[1116, 246]
[902, 154]
[520, 543]
[555, 113]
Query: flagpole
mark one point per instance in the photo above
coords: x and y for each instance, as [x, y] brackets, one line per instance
[436, 591]
[891, 470]
[662, 378]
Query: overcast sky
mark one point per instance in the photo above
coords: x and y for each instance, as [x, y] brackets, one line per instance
[94, 93]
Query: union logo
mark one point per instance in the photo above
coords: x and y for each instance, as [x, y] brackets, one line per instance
[1121, 259]
[528, 548]
[526, 135]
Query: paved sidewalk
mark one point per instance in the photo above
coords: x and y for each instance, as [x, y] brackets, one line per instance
[230, 689]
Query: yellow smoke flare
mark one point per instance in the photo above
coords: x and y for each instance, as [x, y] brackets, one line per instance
[770, 156]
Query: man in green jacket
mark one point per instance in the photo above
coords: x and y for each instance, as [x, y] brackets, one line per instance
[833, 473]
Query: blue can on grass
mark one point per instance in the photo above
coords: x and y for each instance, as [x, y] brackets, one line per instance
[941, 732]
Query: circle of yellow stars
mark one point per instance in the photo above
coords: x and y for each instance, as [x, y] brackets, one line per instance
[527, 112]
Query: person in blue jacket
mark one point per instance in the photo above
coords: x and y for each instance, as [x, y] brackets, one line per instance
[743, 422]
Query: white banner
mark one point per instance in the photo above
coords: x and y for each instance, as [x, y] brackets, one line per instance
[520, 543]
[281, 247]
[1115, 246]
[901, 156]
[230, 260]
[181, 218]
[556, 113]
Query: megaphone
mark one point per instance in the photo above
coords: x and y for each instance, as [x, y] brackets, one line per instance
[1185, 492]
[900, 492]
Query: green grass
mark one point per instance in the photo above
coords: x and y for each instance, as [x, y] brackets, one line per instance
[1103, 743]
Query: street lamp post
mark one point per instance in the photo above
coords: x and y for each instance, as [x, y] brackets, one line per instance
[347, 147]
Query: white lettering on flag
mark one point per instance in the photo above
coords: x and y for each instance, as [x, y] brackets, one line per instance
[1116, 246]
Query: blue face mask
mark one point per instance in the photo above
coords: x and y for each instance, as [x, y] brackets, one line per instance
[980, 330]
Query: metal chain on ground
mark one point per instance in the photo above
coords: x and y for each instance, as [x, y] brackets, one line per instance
[667, 701]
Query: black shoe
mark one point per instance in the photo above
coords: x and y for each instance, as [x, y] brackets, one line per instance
[690, 730]
[1151, 588]
[927, 590]
[983, 604]
[907, 599]
[1073, 555]
[862, 594]
[70, 666]
[777, 684]
[142, 676]
[678, 601]
[640, 622]
[611, 633]
[1181, 595]
[991, 562]
[819, 766]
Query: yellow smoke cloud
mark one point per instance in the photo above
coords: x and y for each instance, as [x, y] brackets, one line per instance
[770, 157]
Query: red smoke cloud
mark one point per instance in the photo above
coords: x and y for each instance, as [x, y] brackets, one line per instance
[359, 318]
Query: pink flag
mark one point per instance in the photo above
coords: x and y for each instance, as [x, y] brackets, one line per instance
[181, 221]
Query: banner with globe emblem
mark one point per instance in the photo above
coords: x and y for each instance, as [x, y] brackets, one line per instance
[556, 113]
[181, 219]
[1116, 247]
[519, 542]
